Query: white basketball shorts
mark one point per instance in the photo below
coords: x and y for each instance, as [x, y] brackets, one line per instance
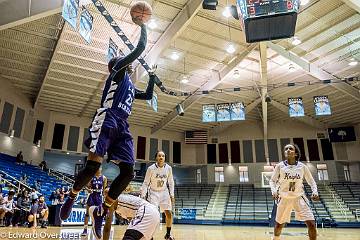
[146, 221]
[300, 205]
[160, 199]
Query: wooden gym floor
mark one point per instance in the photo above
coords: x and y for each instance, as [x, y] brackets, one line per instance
[187, 232]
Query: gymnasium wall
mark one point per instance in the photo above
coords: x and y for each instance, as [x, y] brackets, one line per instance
[84, 123]
[191, 155]
[22, 141]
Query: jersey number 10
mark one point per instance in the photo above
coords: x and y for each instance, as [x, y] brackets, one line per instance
[160, 183]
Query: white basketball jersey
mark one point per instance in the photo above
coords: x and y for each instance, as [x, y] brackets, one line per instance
[128, 205]
[157, 178]
[287, 180]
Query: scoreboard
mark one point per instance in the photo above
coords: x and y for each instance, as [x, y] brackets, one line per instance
[265, 20]
[258, 8]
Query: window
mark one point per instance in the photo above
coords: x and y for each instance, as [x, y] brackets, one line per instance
[322, 172]
[219, 174]
[244, 174]
[198, 175]
[347, 173]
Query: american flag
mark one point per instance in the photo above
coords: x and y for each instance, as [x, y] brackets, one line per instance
[196, 137]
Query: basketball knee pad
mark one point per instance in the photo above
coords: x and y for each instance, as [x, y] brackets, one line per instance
[132, 234]
[122, 180]
[84, 176]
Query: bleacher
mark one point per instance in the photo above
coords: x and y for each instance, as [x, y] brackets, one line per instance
[350, 194]
[247, 203]
[196, 196]
[48, 183]
[319, 208]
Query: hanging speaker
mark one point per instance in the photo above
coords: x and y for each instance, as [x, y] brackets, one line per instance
[210, 4]
[180, 110]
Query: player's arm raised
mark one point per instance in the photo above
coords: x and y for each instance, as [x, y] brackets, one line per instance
[310, 180]
[273, 181]
[121, 63]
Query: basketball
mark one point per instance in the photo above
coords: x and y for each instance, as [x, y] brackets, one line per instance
[140, 12]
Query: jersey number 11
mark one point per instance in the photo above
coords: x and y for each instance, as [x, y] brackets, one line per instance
[292, 187]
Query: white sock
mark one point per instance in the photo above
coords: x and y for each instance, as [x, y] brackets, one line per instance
[276, 237]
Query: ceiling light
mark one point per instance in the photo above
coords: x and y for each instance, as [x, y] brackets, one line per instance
[185, 79]
[304, 2]
[226, 13]
[152, 24]
[292, 68]
[295, 41]
[353, 62]
[230, 49]
[236, 73]
[174, 56]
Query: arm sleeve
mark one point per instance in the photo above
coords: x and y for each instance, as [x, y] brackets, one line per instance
[310, 180]
[171, 183]
[148, 94]
[274, 178]
[123, 62]
[146, 183]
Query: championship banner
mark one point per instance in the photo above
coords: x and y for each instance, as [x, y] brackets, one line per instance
[86, 24]
[112, 50]
[237, 111]
[187, 213]
[154, 101]
[223, 112]
[296, 107]
[209, 114]
[322, 106]
[70, 12]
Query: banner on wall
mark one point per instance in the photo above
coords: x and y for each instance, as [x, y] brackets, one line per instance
[187, 213]
[296, 107]
[322, 106]
[223, 112]
[77, 217]
[237, 111]
[86, 24]
[209, 113]
[112, 50]
[70, 12]
[342, 134]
